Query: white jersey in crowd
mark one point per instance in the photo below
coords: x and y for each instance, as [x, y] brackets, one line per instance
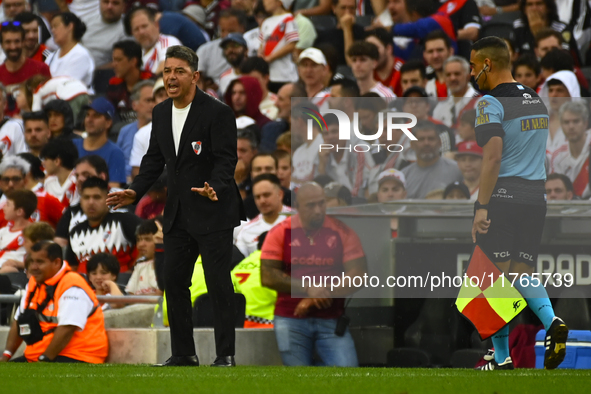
[382, 91]
[152, 57]
[248, 237]
[12, 137]
[448, 111]
[576, 169]
[78, 64]
[227, 76]
[277, 32]
[303, 159]
[252, 41]
[85, 9]
[64, 193]
[141, 142]
[143, 279]
[268, 107]
[321, 100]
[63, 88]
[553, 144]
[12, 245]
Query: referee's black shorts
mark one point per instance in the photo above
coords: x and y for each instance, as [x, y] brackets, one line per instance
[515, 231]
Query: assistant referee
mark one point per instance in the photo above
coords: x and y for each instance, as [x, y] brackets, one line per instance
[512, 129]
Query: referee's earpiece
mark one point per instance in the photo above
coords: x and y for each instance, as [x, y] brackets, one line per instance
[485, 67]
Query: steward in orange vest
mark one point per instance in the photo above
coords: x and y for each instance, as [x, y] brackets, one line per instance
[59, 318]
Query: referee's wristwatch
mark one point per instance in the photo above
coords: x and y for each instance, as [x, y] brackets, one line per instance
[44, 359]
[478, 206]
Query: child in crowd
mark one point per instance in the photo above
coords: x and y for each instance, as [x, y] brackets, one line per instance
[103, 270]
[466, 130]
[526, 71]
[279, 36]
[143, 280]
[20, 205]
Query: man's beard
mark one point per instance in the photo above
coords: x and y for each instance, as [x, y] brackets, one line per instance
[427, 156]
[14, 56]
[236, 62]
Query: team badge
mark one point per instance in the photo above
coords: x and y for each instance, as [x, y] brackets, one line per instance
[106, 236]
[196, 147]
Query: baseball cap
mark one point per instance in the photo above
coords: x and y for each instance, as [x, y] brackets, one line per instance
[313, 54]
[195, 12]
[392, 173]
[243, 122]
[415, 89]
[469, 148]
[159, 84]
[336, 190]
[234, 37]
[456, 186]
[102, 106]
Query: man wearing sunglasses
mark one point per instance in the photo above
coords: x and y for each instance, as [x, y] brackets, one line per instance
[18, 67]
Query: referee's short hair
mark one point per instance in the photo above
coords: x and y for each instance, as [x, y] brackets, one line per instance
[575, 107]
[494, 48]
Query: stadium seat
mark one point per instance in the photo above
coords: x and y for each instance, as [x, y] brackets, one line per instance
[123, 278]
[100, 80]
[18, 280]
[203, 311]
[503, 30]
[574, 311]
[323, 22]
[364, 20]
[437, 332]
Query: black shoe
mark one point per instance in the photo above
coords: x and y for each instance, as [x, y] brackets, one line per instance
[180, 361]
[224, 361]
[555, 344]
[493, 365]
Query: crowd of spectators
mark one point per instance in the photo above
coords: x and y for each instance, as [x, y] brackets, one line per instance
[79, 80]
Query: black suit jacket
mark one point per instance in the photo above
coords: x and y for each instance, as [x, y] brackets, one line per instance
[207, 153]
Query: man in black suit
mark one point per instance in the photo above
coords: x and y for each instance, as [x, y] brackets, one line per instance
[194, 135]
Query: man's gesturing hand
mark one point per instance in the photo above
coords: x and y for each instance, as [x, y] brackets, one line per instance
[121, 199]
[481, 223]
[206, 191]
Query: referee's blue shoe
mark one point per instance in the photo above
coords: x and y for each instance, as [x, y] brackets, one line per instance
[492, 365]
[555, 343]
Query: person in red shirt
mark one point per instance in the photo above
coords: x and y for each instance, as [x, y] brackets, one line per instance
[314, 245]
[18, 67]
[127, 64]
[388, 70]
[33, 44]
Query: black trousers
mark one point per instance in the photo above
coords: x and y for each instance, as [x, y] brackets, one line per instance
[58, 359]
[182, 247]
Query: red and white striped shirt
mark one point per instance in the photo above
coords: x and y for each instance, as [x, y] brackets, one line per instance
[277, 32]
[576, 169]
[11, 245]
[382, 90]
[155, 55]
[64, 193]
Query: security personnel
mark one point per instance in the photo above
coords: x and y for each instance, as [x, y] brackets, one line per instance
[512, 129]
[59, 318]
[260, 301]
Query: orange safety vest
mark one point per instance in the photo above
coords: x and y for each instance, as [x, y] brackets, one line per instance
[89, 345]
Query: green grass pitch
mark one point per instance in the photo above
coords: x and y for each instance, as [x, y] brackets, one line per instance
[101, 379]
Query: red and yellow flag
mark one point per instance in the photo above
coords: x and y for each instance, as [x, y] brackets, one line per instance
[489, 302]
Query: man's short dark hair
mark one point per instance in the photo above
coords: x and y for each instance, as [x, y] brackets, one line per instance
[10, 27]
[349, 88]
[424, 8]
[267, 177]
[382, 35]
[568, 184]
[264, 154]
[557, 60]
[98, 163]
[527, 60]
[494, 48]
[255, 63]
[131, 50]
[95, 181]
[106, 260]
[413, 65]
[23, 199]
[36, 115]
[36, 169]
[184, 53]
[53, 250]
[235, 13]
[548, 32]
[251, 134]
[364, 48]
[147, 227]
[438, 35]
[149, 11]
[423, 125]
[64, 149]
[26, 17]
